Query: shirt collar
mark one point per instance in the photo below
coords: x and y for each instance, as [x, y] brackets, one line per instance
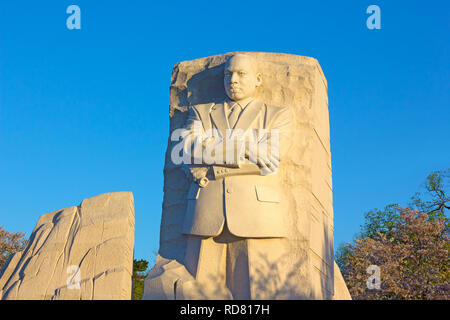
[243, 103]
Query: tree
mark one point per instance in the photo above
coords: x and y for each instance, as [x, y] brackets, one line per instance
[413, 260]
[436, 200]
[10, 243]
[377, 221]
[139, 275]
[410, 246]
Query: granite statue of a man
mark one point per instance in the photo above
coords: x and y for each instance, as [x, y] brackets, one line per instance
[248, 208]
[234, 216]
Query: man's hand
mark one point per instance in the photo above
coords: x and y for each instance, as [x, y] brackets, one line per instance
[198, 172]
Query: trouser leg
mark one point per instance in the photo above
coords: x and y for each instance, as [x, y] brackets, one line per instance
[249, 268]
[256, 268]
[205, 260]
[238, 280]
[236, 263]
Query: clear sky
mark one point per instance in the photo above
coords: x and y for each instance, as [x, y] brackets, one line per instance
[83, 112]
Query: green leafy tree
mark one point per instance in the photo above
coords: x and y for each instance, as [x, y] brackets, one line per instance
[379, 221]
[139, 275]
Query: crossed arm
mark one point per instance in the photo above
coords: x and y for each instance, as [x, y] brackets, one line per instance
[253, 152]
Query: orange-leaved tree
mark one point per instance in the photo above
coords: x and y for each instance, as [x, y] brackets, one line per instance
[10, 242]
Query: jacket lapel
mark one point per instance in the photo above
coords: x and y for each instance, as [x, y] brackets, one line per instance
[249, 115]
[219, 118]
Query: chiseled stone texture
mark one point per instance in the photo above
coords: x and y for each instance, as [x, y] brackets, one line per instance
[83, 252]
[291, 81]
[340, 288]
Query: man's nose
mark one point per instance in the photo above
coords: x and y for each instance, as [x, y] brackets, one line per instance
[234, 78]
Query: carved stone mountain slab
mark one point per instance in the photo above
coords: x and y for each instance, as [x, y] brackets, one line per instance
[83, 252]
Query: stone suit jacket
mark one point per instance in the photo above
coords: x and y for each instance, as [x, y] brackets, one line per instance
[252, 205]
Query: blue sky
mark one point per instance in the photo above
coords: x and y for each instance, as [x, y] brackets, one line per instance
[83, 112]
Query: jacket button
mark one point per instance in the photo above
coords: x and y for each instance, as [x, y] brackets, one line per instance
[229, 190]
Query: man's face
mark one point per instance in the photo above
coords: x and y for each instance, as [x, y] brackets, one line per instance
[240, 78]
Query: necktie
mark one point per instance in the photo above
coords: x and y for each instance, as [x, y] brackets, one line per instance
[234, 114]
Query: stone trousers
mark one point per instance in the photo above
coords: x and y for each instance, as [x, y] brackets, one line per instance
[231, 267]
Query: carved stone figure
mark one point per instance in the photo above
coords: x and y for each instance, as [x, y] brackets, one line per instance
[220, 243]
[247, 210]
[239, 194]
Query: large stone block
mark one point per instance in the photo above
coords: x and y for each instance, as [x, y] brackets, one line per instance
[291, 81]
[83, 252]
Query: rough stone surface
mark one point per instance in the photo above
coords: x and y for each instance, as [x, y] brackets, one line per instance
[340, 288]
[291, 81]
[83, 252]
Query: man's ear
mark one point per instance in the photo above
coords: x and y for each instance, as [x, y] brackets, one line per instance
[258, 79]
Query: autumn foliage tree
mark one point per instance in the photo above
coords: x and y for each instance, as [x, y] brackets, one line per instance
[10, 243]
[410, 246]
